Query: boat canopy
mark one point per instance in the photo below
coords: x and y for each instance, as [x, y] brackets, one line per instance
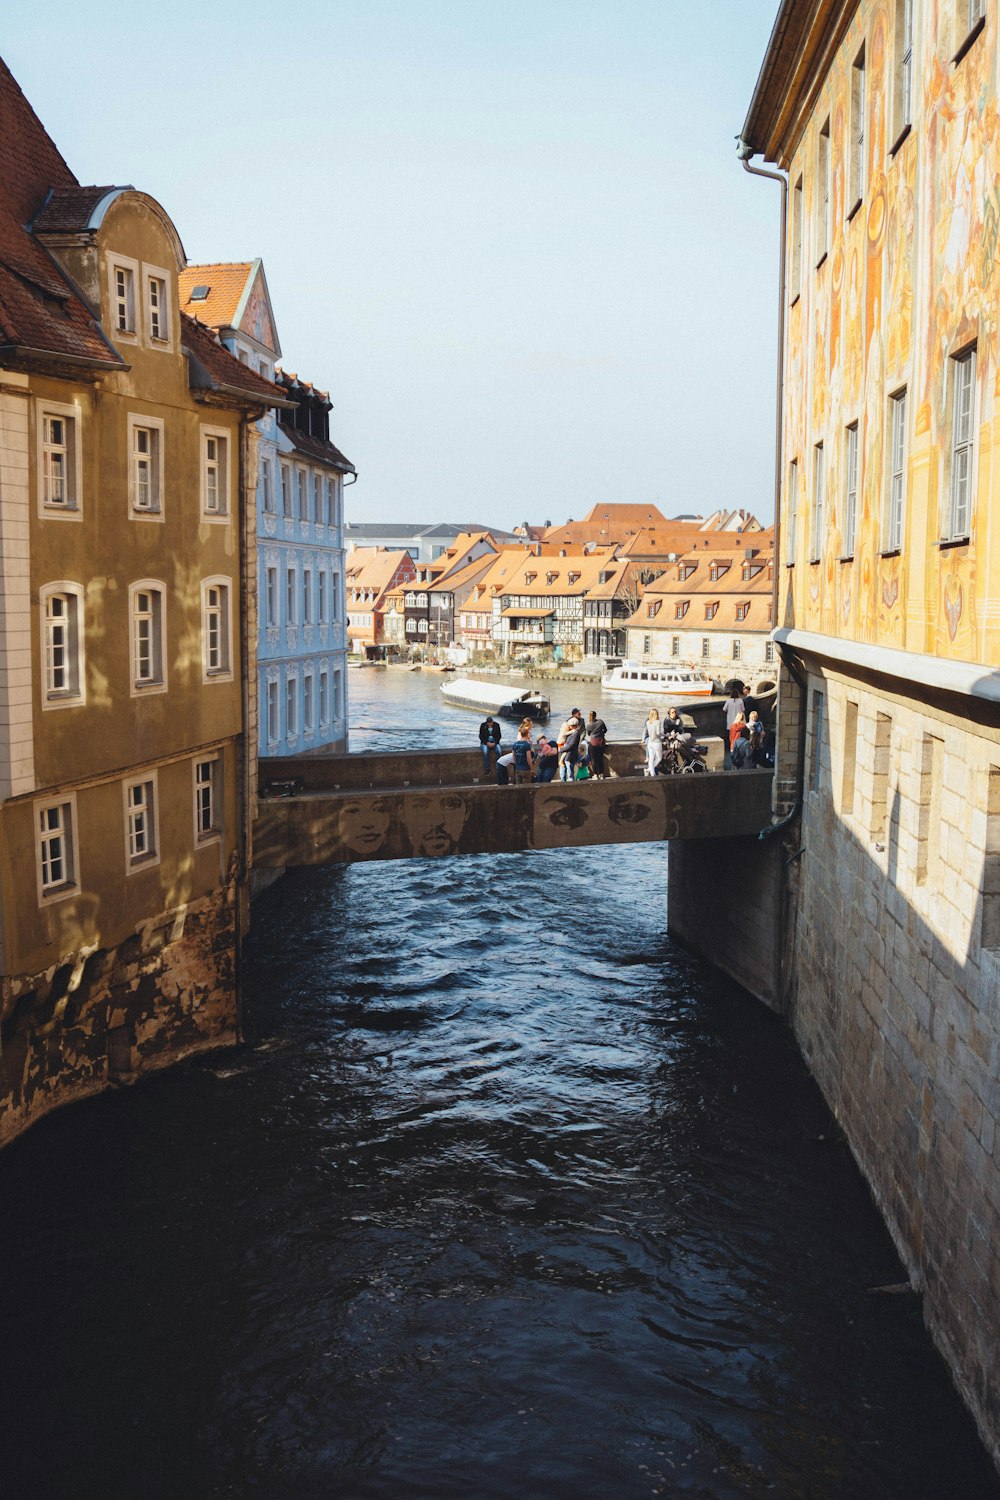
[485, 694]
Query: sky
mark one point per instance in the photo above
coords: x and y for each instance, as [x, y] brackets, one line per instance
[510, 237]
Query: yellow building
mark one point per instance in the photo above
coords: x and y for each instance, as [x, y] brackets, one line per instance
[125, 433]
[884, 116]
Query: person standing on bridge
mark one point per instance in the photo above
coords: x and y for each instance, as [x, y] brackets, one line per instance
[652, 738]
[597, 734]
[489, 739]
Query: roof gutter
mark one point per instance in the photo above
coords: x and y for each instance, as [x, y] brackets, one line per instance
[51, 356]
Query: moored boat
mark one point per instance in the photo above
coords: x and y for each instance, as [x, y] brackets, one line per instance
[497, 698]
[673, 682]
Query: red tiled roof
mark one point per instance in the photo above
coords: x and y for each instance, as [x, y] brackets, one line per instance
[319, 448]
[214, 368]
[226, 282]
[41, 313]
[68, 209]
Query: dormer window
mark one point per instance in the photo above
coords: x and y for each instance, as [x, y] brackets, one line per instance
[742, 610]
[750, 570]
[653, 608]
[123, 274]
[681, 609]
[684, 570]
[718, 570]
[711, 610]
[530, 577]
[550, 578]
[574, 577]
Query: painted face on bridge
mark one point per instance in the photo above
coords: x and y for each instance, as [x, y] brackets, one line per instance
[434, 824]
[363, 825]
[589, 813]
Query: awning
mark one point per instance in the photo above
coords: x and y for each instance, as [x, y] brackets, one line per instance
[526, 614]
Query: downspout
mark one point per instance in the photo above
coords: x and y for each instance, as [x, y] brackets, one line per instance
[248, 661]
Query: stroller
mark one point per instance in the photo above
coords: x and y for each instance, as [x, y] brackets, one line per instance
[681, 754]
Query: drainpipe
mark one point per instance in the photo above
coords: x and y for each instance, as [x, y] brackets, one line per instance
[248, 663]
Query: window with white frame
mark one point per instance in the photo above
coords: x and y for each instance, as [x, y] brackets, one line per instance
[795, 280]
[317, 489]
[823, 193]
[856, 156]
[791, 511]
[62, 644]
[335, 595]
[123, 274]
[266, 487]
[896, 499]
[145, 441]
[58, 459]
[291, 612]
[338, 694]
[207, 798]
[308, 705]
[214, 472]
[286, 491]
[216, 628]
[324, 697]
[273, 722]
[902, 99]
[307, 590]
[963, 408]
[706, 647]
[328, 504]
[141, 833]
[302, 481]
[291, 706]
[157, 284]
[737, 650]
[323, 609]
[675, 645]
[816, 527]
[769, 651]
[55, 849]
[270, 595]
[146, 608]
[851, 491]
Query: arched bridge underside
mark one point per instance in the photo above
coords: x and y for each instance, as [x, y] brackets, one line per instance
[354, 808]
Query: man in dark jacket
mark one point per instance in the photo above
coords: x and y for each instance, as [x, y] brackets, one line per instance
[489, 739]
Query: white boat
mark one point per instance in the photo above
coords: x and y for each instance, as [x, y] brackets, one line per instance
[497, 698]
[673, 682]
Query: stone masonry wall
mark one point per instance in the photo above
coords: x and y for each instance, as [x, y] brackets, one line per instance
[107, 1016]
[895, 993]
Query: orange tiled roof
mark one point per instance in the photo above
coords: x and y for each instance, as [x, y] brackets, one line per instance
[226, 282]
[213, 367]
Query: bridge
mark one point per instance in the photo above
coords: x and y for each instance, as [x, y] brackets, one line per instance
[345, 809]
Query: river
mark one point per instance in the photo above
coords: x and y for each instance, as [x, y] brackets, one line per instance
[511, 1200]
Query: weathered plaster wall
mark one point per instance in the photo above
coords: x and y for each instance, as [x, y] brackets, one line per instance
[105, 1016]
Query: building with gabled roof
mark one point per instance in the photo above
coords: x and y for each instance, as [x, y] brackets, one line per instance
[371, 573]
[302, 631]
[127, 728]
[541, 602]
[711, 610]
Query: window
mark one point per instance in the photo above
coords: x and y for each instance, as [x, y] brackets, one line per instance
[681, 609]
[58, 459]
[856, 160]
[335, 595]
[291, 616]
[328, 511]
[338, 694]
[207, 799]
[214, 472]
[308, 726]
[266, 488]
[216, 628]
[970, 17]
[816, 537]
[897, 473]
[816, 764]
[963, 376]
[711, 610]
[823, 194]
[286, 491]
[318, 499]
[718, 570]
[791, 512]
[302, 480]
[271, 596]
[307, 589]
[62, 644]
[769, 651]
[796, 276]
[324, 607]
[123, 274]
[140, 823]
[422, 627]
[273, 726]
[742, 610]
[146, 601]
[675, 645]
[55, 851]
[145, 442]
[646, 645]
[902, 100]
[737, 650]
[157, 307]
[324, 698]
[653, 608]
[706, 647]
[291, 706]
[851, 495]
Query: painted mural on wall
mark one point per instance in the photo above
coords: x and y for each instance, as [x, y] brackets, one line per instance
[910, 279]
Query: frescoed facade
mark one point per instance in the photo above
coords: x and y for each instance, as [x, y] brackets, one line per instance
[302, 633]
[126, 438]
[884, 115]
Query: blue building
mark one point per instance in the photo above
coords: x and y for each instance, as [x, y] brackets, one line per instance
[302, 620]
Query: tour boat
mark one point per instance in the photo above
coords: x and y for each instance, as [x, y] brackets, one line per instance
[496, 698]
[675, 682]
